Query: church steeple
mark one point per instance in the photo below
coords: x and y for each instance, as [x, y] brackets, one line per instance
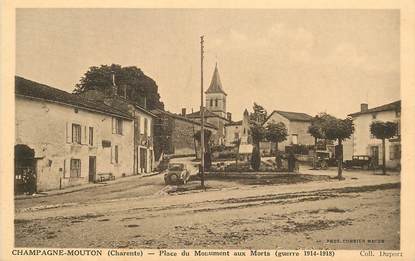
[215, 84]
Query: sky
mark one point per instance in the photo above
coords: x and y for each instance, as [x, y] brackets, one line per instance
[284, 59]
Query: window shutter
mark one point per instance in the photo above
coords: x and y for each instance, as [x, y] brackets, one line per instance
[66, 168]
[85, 134]
[112, 153]
[68, 133]
[113, 125]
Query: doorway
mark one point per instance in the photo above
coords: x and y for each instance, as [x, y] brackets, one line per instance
[92, 168]
[25, 178]
[143, 160]
[374, 153]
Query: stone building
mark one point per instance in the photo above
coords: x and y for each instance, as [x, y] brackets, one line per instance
[174, 133]
[297, 124]
[66, 140]
[215, 108]
[364, 143]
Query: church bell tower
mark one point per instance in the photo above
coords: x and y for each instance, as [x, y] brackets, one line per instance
[216, 96]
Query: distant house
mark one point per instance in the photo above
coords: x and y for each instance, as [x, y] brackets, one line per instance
[297, 124]
[364, 143]
[67, 140]
[174, 133]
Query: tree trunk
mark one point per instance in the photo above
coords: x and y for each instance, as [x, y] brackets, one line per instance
[315, 154]
[340, 161]
[277, 157]
[383, 157]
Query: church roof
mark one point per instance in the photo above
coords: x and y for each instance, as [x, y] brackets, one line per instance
[215, 84]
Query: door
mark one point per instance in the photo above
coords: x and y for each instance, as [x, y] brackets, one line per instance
[92, 168]
[143, 160]
[374, 153]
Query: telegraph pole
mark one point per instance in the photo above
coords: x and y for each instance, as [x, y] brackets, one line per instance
[202, 116]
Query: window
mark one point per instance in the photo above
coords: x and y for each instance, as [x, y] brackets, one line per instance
[211, 103]
[75, 168]
[116, 153]
[76, 133]
[91, 136]
[116, 125]
[374, 116]
[294, 139]
[236, 135]
[394, 151]
[216, 102]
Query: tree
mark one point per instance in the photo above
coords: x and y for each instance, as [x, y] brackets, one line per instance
[383, 130]
[237, 143]
[315, 130]
[137, 86]
[337, 129]
[207, 154]
[259, 115]
[258, 132]
[276, 132]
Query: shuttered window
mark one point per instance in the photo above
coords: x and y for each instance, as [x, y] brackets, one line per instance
[75, 168]
[76, 133]
[91, 136]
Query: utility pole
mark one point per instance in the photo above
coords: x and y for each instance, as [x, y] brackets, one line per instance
[202, 118]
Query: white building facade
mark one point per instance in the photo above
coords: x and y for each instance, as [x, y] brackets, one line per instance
[73, 140]
[364, 143]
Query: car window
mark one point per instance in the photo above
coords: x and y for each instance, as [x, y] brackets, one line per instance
[176, 167]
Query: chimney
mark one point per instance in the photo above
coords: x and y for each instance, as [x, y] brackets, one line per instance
[229, 116]
[184, 112]
[364, 107]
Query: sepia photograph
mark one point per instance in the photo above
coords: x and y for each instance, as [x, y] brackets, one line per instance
[213, 128]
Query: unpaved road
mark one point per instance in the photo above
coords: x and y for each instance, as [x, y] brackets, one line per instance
[323, 214]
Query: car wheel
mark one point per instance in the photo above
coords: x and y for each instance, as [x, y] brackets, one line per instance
[324, 165]
[173, 179]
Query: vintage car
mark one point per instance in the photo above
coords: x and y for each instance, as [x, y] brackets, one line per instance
[177, 173]
[361, 161]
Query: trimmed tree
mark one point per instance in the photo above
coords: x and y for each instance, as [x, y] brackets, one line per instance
[315, 130]
[383, 130]
[276, 132]
[339, 130]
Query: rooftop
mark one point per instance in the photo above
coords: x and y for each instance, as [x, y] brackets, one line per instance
[208, 114]
[292, 116]
[393, 106]
[180, 117]
[31, 89]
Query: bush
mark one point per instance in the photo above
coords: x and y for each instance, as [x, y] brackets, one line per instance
[255, 159]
